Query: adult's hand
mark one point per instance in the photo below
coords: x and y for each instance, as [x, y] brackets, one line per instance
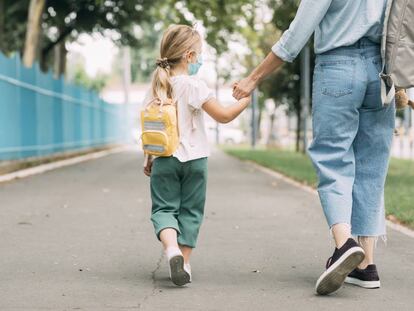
[244, 88]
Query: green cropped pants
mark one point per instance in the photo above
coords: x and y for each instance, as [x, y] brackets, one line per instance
[178, 193]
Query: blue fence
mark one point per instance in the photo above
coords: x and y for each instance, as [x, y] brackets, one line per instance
[40, 115]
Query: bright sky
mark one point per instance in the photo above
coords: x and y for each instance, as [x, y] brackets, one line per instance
[98, 53]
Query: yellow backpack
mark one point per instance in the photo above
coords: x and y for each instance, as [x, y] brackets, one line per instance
[159, 123]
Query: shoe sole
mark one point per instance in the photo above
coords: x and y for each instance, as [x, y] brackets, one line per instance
[178, 275]
[333, 278]
[364, 284]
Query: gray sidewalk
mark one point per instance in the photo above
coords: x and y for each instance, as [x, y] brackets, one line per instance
[79, 238]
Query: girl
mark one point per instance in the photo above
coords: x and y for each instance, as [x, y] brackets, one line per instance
[178, 183]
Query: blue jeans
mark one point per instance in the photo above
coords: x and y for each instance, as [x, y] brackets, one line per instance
[352, 136]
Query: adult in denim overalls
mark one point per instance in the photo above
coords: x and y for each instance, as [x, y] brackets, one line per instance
[352, 130]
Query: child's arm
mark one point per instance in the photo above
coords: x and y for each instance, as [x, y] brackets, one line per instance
[225, 114]
[148, 165]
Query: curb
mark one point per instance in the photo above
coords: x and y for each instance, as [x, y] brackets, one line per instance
[59, 164]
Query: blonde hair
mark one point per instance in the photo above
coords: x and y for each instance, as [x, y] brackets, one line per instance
[176, 41]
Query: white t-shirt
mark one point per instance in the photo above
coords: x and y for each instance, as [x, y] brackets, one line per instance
[191, 93]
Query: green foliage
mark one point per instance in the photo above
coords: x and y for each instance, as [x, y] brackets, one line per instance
[399, 191]
[284, 87]
[96, 83]
[64, 20]
[143, 57]
[87, 16]
[283, 12]
[13, 17]
[221, 18]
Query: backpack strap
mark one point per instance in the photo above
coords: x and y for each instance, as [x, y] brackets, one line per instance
[175, 103]
[153, 101]
[146, 159]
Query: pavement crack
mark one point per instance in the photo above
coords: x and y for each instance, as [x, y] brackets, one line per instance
[154, 281]
[158, 266]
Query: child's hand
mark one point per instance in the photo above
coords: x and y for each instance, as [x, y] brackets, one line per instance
[148, 167]
[245, 100]
[243, 88]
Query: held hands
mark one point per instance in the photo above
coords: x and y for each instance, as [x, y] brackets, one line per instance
[245, 101]
[243, 88]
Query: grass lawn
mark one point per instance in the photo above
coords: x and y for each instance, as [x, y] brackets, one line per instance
[399, 189]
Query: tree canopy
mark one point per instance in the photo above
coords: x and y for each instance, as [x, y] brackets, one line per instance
[65, 20]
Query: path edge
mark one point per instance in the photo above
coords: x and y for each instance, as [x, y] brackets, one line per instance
[394, 226]
[42, 168]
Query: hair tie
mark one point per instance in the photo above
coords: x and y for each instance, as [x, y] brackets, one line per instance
[163, 63]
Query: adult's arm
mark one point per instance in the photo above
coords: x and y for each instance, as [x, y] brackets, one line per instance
[310, 13]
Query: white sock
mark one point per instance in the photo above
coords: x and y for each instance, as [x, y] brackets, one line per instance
[170, 252]
[187, 268]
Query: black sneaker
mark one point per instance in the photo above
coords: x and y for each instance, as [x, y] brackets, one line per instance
[366, 278]
[342, 262]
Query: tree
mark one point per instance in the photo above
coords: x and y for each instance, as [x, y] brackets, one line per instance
[2, 20]
[283, 86]
[69, 18]
[13, 19]
[283, 14]
[63, 20]
[80, 77]
[57, 21]
[33, 30]
[221, 18]
[260, 37]
[143, 57]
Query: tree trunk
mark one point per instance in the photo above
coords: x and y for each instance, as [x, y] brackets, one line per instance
[259, 124]
[2, 19]
[271, 139]
[62, 37]
[298, 129]
[126, 79]
[33, 30]
[59, 66]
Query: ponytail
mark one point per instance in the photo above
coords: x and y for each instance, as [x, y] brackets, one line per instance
[176, 40]
[161, 83]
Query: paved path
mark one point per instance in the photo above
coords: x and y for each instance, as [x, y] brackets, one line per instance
[79, 238]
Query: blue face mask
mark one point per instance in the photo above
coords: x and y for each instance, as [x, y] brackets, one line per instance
[194, 67]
